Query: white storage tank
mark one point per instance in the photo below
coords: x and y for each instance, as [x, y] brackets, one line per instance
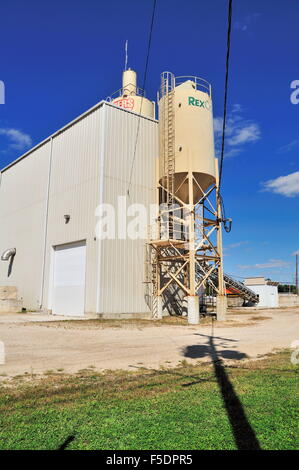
[132, 98]
[186, 130]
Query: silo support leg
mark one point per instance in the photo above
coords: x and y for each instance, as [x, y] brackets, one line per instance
[193, 309]
[221, 307]
[158, 307]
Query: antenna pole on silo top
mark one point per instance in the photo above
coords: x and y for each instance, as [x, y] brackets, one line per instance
[126, 54]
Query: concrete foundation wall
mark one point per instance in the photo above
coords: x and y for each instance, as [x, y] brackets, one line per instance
[288, 300]
[9, 302]
[11, 306]
[235, 302]
[8, 293]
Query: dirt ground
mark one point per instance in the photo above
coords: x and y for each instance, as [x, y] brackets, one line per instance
[36, 344]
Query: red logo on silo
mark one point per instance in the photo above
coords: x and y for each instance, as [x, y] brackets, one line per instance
[126, 103]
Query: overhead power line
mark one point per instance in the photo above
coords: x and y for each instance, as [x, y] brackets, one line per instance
[143, 87]
[230, 9]
[225, 90]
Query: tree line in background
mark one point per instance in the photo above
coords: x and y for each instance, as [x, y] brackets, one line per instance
[287, 288]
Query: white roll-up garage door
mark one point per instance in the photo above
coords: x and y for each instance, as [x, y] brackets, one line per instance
[68, 294]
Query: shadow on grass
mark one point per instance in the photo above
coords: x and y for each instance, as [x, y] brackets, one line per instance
[244, 434]
[173, 373]
[66, 443]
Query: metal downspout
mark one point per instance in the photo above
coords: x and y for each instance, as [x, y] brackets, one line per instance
[46, 227]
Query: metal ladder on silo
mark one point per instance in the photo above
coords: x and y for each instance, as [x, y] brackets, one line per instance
[167, 87]
[170, 155]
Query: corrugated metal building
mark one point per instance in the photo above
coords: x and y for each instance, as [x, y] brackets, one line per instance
[86, 163]
[267, 291]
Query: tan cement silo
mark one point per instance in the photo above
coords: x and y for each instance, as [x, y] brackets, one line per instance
[186, 254]
[186, 135]
[132, 98]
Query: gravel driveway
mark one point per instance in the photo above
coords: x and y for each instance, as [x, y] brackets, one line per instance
[33, 344]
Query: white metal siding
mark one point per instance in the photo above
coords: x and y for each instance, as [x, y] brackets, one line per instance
[122, 261]
[74, 191]
[22, 220]
[268, 295]
[90, 164]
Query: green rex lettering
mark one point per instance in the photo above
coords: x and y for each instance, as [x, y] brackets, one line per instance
[200, 103]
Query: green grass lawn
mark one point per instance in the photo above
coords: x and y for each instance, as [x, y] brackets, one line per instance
[180, 408]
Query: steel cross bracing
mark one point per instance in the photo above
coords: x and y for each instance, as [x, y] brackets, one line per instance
[172, 250]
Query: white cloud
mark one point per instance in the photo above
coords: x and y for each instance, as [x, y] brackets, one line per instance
[241, 26]
[242, 135]
[285, 185]
[245, 24]
[17, 139]
[218, 123]
[239, 132]
[232, 152]
[237, 244]
[289, 147]
[272, 263]
[295, 253]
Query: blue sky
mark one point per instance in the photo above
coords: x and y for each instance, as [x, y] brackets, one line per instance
[60, 58]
